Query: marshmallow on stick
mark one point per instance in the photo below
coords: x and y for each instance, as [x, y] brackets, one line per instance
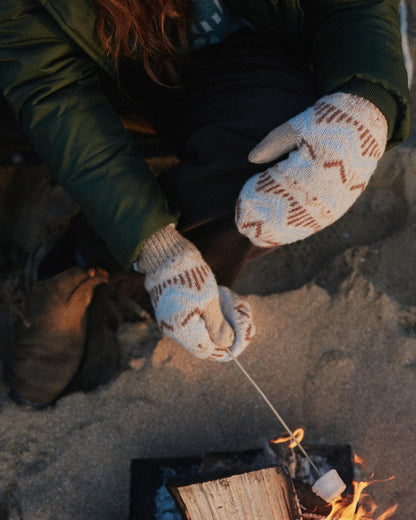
[329, 486]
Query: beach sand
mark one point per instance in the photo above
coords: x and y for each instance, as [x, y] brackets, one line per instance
[335, 352]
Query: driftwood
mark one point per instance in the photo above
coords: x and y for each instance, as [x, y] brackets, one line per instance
[265, 494]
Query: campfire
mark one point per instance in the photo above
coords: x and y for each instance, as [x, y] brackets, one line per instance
[274, 483]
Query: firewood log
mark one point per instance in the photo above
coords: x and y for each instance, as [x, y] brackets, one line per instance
[265, 494]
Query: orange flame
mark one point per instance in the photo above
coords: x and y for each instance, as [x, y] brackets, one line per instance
[358, 507]
[298, 434]
[358, 459]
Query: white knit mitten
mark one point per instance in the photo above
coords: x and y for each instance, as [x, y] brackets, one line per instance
[334, 149]
[189, 307]
[237, 312]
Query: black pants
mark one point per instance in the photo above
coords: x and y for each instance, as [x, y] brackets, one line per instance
[234, 93]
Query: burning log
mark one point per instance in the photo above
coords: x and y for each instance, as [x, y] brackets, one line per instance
[265, 493]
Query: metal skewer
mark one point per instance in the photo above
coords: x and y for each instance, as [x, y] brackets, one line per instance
[275, 412]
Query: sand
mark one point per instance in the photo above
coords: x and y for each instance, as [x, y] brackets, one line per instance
[335, 351]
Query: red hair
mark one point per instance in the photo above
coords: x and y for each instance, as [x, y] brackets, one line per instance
[156, 31]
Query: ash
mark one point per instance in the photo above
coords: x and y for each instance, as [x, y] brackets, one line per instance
[304, 471]
[296, 464]
[165, 505]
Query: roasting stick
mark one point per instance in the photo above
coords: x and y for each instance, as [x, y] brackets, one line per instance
[328, 486]
[276, 413]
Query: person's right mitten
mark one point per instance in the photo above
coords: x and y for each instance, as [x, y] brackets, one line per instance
[187, 301]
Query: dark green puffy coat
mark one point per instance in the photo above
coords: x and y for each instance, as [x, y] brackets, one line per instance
[49, 62]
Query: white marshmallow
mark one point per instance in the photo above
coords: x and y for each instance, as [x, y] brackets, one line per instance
[329, 486]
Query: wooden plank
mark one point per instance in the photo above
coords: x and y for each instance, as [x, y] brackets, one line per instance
[265, 494]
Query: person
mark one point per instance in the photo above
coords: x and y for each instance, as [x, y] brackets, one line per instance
[277, 110]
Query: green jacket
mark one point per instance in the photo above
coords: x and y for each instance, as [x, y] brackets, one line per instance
[50, 59]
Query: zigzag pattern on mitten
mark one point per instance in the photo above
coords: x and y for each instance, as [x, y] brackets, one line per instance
[339, 141]
[194, 278]
[298, 216]
[180, 289]
[329, 113]
[258, 226]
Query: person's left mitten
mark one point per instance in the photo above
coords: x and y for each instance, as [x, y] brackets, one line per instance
[185, 296]
[333, 147]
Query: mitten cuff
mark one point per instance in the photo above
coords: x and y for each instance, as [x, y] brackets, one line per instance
[160, 247]
[358, 111]
[379, 96]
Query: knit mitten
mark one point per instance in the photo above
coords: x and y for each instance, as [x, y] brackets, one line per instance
[334, 148]
[237, 312]
[186, 299]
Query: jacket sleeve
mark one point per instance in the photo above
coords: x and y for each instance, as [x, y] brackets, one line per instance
[355, 46]
[54, 90]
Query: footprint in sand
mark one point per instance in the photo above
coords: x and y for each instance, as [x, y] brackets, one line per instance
[407, 328]
[327, 385]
